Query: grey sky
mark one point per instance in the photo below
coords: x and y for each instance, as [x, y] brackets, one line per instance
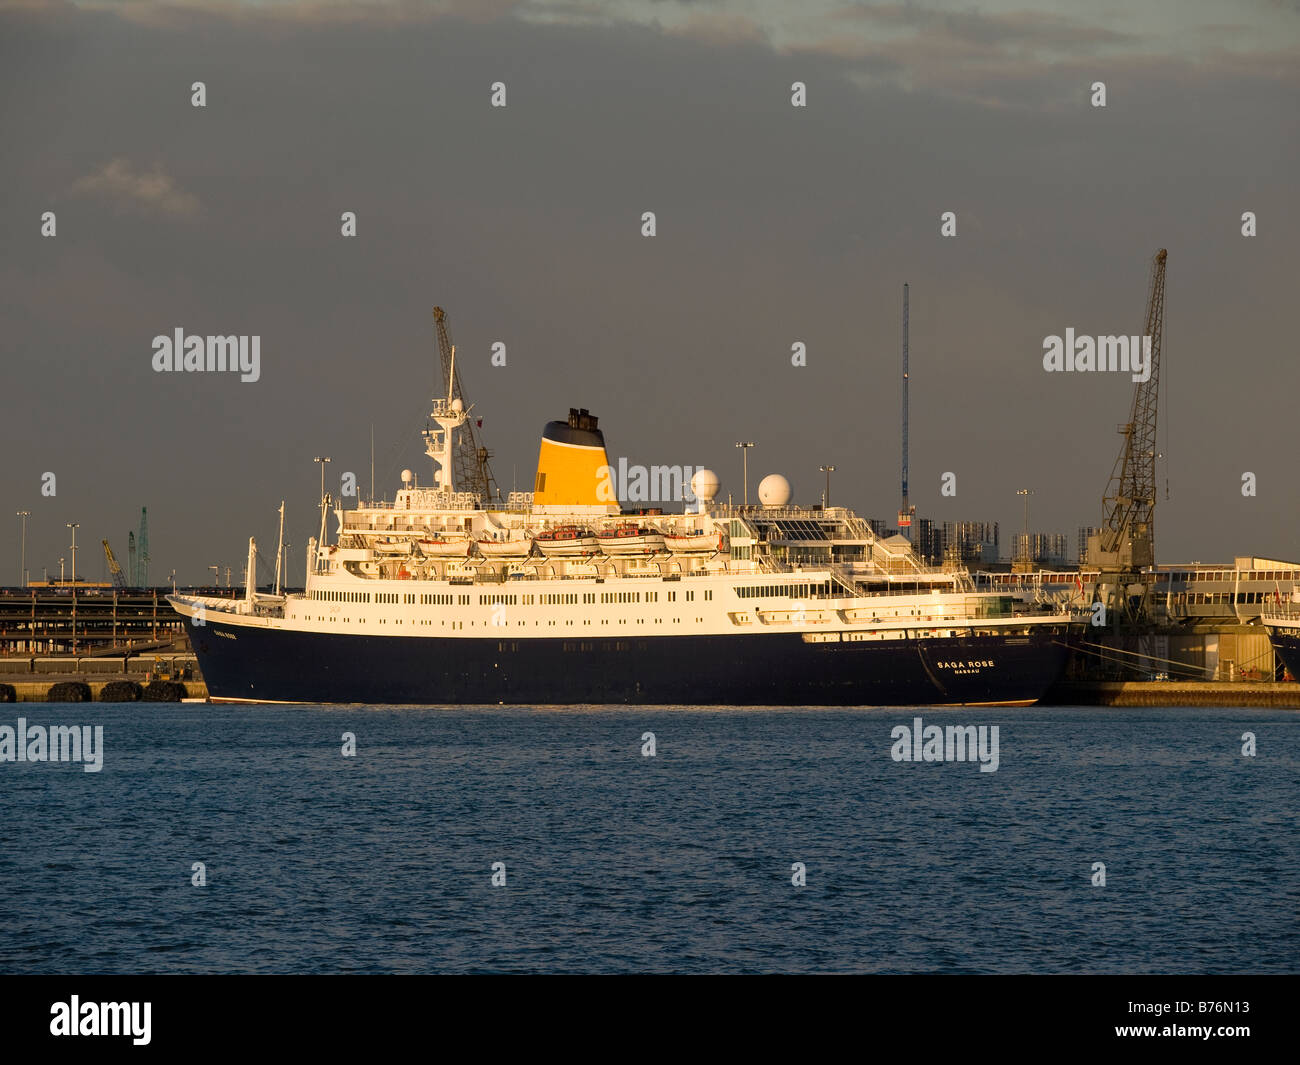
[775, 224]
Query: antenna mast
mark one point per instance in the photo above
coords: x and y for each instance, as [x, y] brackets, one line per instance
[907, 512]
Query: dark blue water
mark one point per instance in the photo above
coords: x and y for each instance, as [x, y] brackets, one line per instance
[682, 862]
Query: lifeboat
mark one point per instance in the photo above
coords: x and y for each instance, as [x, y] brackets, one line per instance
[630, 540]
[570, 540]
[693, 543]
[505, 548]
[391, 549]
[444, 547]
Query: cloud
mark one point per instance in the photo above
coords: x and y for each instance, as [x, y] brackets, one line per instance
[181, 13]
[127, 188]
[722, 29]
[1037, 28]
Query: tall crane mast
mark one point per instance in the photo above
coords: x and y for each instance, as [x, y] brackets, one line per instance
[142, 546]
[1126, 542]
[114, 567]
[473, 474]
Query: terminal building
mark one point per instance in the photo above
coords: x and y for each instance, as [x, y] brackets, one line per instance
[1206, 617]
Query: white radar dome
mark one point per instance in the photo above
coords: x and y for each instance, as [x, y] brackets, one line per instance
[406, 476]
[774, 490]
[704, 485]
[458, 404]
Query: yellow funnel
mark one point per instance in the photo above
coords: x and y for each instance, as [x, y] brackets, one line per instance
[572, 467]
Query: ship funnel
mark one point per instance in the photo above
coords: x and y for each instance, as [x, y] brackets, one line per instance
[572, 469]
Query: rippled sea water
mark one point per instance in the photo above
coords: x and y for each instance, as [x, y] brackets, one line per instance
[320, 863]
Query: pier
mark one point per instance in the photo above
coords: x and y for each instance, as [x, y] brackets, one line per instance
[137, 678]
[1278, 695]
[80, 619]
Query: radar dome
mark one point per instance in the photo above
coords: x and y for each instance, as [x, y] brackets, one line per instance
[407, 476]
[705, 485]
[458, 404]
[774, 490]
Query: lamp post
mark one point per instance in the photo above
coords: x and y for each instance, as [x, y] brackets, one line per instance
[826, 499]
[744, 446]
[74, 526]
[22, 562]
[61, 580]
[322, 459]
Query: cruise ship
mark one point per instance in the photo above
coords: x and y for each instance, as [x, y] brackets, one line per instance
[1283, 626]
[563, 596]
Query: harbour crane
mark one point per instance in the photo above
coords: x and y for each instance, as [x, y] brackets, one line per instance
[142, 546]
[473, 474]
[1125, 544]
[119, 581]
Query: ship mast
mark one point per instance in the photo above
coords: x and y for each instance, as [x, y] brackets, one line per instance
[472, 472]
[279, 549]
[440, 444]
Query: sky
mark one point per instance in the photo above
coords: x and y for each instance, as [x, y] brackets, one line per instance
[775, 225]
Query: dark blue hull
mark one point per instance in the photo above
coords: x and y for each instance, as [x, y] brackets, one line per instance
[280, 665]
[1287, 645]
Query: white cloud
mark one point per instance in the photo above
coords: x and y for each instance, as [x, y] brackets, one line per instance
[128, 188]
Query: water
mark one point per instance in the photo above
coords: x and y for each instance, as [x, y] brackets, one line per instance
[681, 862]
